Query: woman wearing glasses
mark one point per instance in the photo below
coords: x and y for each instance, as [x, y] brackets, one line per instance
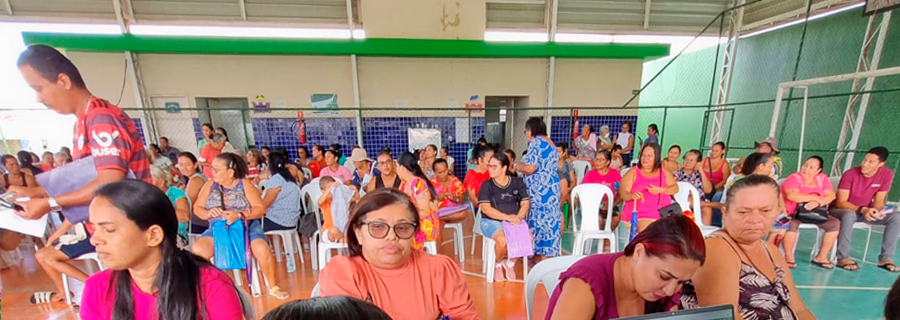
[385, 270]
[388, 177]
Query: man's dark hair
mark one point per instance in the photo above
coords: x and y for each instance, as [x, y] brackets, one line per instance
[50, 63]
[881, 152]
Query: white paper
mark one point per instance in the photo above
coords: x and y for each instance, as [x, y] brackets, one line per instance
[9, 220]
[419, 138]
[462, 130]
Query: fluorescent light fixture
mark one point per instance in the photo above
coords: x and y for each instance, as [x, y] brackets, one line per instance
[61, 27]
[512, 36]
[359, 34]
[583, 38]
[241, 32]
[799, 21]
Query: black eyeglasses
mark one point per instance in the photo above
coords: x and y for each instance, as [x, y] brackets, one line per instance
[379, 230]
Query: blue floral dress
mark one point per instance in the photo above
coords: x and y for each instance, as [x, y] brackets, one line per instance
[543, 190]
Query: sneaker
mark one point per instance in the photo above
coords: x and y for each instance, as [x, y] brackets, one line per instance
[510, 267]
[498, 273]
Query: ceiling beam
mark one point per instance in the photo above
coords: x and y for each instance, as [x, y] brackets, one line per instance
[120, 18]
[790, 15]
[8, 7]
[647, 15]
[243, 6]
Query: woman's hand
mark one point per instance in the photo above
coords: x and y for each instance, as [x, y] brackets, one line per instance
[812, 205]
[655, 190]
[513, 219]
[215, 212]
[637, 196]
[231, 216]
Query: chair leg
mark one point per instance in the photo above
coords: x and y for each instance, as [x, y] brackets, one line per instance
[255, 289]
[65, 281]
[490, 264]
[474, 237]
[277, 246]
[313, 252]
[460, 244]
[291, 264]
[323, 257]
[868, 239]
[296, 238]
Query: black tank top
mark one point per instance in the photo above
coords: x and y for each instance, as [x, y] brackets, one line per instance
[6, 180]
[379, 183]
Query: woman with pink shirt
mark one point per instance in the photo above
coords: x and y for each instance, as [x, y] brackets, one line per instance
[334, 169]
[609, 177]
[384, 269]
[811, 189]
[647, 187]
[148, 276]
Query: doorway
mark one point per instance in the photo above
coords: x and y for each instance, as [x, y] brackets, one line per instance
[505, 118]
[233, 115]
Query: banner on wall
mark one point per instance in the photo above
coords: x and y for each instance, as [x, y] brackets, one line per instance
[419, 138]
[324, 103]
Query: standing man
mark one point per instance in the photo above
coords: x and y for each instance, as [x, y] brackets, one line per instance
[102, 131]
[860, 198]
[168, 151]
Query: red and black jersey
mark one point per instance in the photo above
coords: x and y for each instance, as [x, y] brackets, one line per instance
[105, 132]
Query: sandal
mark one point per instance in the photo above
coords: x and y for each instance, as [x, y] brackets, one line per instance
[889, 267]
[850, 266]
[279, 294]
[824, 265]
[41, 297]
[792, 264]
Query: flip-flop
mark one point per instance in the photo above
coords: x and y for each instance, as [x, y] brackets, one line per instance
[890, 267]
[278, 293]
[846, 266]
[792, 264]
[41, 297]
[823, 264]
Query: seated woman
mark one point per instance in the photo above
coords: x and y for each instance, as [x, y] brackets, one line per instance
[15, 175]
[647, 188]
[645, 278]
[332, 308]
[420, 190]
[811, 189]
[610, 178]
[193, 182]
[231, 197]
[747, 272]
[179, 202]
[450, 193]
[502, 198]
[135, 236]
[754, 164]
[383, 267]
[693, 173]
[670, 162]
[388, 177]
[616, 161]
[282, 195]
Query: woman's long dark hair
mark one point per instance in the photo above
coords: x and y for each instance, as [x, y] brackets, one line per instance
[892, 302]
[25, 161]
[380, 198]
[657, 160]
[753, 161]
[178, 276]
[278, 165]
[411, 163]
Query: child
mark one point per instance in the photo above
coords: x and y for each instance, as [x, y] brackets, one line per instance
[335, 203]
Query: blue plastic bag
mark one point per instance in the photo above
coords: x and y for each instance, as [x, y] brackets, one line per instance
[229, 243]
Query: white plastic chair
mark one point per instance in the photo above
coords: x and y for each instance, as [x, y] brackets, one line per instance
[431, 247]
[488, 255]
[548, 272]
[85, 257]
[589, 197]
[581, 168]
[315, 292]
[289, 239]
[476, 228]
[687, 191]
[321, 249]
[459, 244]
[307, 174]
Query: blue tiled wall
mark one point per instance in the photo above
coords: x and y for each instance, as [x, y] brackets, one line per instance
[392, 133]
[140, 129]
[198, 131]
[283, 132]
[562, 126]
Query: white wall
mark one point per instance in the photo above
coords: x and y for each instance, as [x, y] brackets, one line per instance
[424, 19]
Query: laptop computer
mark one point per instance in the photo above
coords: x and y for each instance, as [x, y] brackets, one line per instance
[721, 312]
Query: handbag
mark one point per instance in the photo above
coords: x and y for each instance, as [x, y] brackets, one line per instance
[230, 242]
[817, 215]
[668, 210]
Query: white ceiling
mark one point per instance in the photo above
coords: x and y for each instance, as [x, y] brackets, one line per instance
[676, 17]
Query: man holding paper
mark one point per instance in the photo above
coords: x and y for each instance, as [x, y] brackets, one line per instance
[104, 136]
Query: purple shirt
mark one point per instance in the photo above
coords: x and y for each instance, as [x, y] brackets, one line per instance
[862, 189]
[597, 272]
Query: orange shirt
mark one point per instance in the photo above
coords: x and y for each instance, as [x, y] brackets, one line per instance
[425, 288]
[327, 221]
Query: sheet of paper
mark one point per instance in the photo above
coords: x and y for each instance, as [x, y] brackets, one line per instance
[9, 220]
[462, 130]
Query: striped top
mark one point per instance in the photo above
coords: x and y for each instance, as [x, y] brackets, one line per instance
[105, 132]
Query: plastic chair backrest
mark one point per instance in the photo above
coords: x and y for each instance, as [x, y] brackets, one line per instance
[589, 197]
[688, 198]
[306, 173]
[309, 198]
[835, 181]
[581, 168]
[624, 170]
[315, 292]
[548, 272]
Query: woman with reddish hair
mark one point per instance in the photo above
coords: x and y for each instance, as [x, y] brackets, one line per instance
[645, 278]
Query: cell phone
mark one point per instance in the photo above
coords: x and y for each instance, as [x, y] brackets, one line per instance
[9, 204]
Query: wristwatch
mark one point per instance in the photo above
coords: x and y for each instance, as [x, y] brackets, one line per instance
[53, 205]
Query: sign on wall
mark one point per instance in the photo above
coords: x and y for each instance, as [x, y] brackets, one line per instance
[324, 103]
[419, 138]
[173, 107]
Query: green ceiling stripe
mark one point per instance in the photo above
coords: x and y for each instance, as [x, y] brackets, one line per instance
[367, 47]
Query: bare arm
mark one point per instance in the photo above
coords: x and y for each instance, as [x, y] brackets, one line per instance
[488, 210]
[880, 197]
[716, 282]
[473, 197]
[257, 208]
[200, 205]
[423, 203]
[66, 225]
[182, 210]
[29, 179]
[630, 145]
[794, 195]
[625, 186]
[36, 208]
[706, 183]
[193, 189]
[843, 200]
[576, 301]
[271, 195]
[371, 186]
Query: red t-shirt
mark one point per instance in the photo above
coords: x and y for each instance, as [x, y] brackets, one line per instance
[105, 132]
[862, 189]
[315, 166]
[474, 180]
[207, 155]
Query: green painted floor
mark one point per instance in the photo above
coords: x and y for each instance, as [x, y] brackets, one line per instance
[832, 294]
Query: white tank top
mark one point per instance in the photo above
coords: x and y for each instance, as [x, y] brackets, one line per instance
[622, 141]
